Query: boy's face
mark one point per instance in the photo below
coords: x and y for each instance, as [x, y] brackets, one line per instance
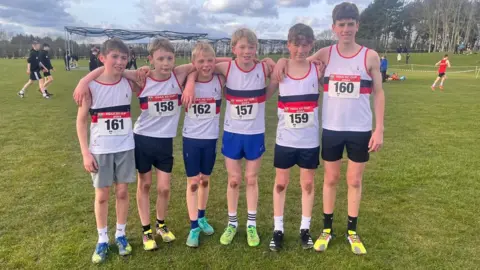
[46, 48]
[115, 62]
[204, 63]
[163, 61]
[244, 51]
[345, 30]
[299, 49]
[36, 47]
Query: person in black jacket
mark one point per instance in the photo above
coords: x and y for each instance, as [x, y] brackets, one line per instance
[133, 59]
[33, 69]
[94, 62]
[45, 60]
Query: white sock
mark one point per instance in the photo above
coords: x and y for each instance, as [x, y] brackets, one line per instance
[22, 91]
[441, 83]
[305, 223]
[232, 219]
[120, 230]
[433, 85]
[102, 235]
[252, 218]
[278, 222]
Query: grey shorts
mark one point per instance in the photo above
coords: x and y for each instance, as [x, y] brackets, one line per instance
[116, 167]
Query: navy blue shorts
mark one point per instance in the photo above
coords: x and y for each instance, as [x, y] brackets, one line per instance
[199, 156]
[150, 151]
[238, 146]
[334, 143]
[287, 157]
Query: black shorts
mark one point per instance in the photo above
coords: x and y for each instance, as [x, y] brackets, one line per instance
[35, 75]
[287, 157]
[46, 74]
[334, 142]
[150, 151]
[441, 74]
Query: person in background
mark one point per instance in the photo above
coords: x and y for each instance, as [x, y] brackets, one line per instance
[384, 67]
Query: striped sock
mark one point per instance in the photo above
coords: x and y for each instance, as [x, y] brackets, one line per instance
[252, 217]
[232, 219]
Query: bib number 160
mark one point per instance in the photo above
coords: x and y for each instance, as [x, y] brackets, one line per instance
[342, 87]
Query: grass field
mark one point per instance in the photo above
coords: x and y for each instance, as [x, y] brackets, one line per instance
[419, 207]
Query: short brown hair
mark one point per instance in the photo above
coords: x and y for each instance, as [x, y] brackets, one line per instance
[202, 47]
[244, 33]
[114, 44]
[344, 11]
[299, 32]
[160, 43]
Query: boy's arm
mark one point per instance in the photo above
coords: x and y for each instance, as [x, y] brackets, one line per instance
[269, 66]
[183, 70]
[448, 63]
[187, 100]
[438, 63]
[272, 86]
[82, 125]
[376, 140]
[81, 91]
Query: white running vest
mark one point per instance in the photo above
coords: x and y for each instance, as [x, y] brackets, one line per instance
[160, 102]
[245, 94]
[298, 125]
[347, 88]
[111, 126]
[202, 120]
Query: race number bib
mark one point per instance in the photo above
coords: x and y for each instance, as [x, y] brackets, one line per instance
[114, 123]
[299, 117]
[203, 108]
[244, 108]
[165, 105]
[344, 86]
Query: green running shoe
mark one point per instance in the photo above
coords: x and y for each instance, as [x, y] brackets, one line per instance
[100, 254]
[124, 247]
[252, 236]
[206, 228]
[228, 235]
[193, 236]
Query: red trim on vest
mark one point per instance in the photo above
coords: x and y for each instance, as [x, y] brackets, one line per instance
[298, 79]
[348, 57]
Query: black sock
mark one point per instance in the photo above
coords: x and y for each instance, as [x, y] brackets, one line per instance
[160, 222]
[327, 221]
[146, 228]
[352, 223]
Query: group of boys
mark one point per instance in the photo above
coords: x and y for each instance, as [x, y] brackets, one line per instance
[116, 148]
[39, 61]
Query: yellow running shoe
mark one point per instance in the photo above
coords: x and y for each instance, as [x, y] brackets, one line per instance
[149, 241]
[166, 234]
[322, 242]
[355, 243]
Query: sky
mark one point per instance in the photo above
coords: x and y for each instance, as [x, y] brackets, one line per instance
[270, 19]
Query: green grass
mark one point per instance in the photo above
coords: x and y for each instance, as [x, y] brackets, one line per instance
[419, 207]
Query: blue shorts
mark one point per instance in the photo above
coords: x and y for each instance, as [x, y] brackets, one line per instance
[199, 156]
[238, 146]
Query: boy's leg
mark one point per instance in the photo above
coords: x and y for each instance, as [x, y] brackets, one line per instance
[279, 190]
[203, 192]
[435, 83]
[234, 172]
[143, 197]
[354, 181]
[101, 211]
[48, 81]
[124, 175]
[102, 180]
[442, 81]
